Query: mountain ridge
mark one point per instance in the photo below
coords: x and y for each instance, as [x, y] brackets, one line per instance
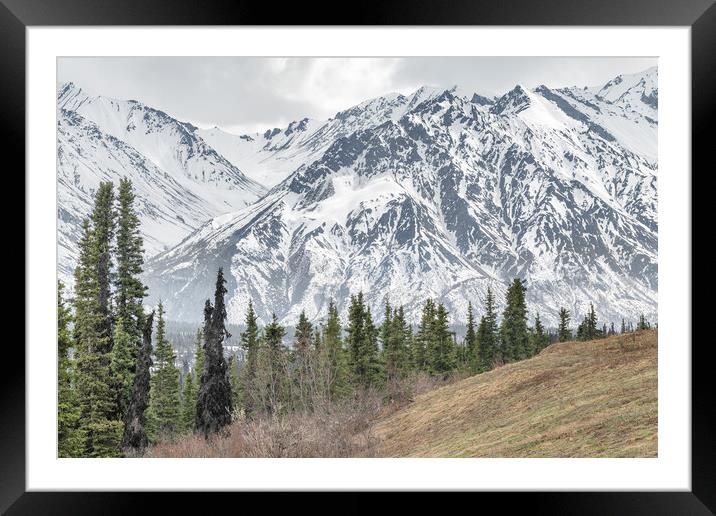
[448, 197]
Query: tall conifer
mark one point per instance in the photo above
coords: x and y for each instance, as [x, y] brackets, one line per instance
[564, 332]
[471, 341]
[214, 402]
[513, 330]
[165, 401]
[100, 429]
[488, 335]
[68, 437]
[333, 361]
[135, 419]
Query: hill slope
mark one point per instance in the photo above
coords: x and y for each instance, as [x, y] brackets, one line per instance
[575, 399]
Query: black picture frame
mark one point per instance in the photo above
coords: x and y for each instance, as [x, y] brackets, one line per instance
[700, 15]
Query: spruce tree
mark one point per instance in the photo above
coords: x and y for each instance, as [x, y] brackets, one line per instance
[165, 402]
[424, 338]
[385, 326]
[624, 328]
[302, 359]
[188, 402]
[100, 432]
[376, 367]
[471, 341]
[135, 420]
[588, 330]
[362, 340]
[191, 384]
[643, 323]
[334, 362]
[233, 365]
[488, 340]
[539, 338]
[355, 338]
[214, 404]
[564, 332]
[396, 352]
[513, 330]
[68, 437]
[249, 339]
[441, 352]
[129, 291]
[103, 228]
[123, 364]
[271, 377]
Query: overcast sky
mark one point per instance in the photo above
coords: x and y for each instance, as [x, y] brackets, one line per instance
[249, 94]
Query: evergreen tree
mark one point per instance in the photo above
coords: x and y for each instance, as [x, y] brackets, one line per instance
[233, 365]
[513, 330]
[68, 438]
[129, 291]
[302, 361]
[488, 335]
[249, 339]
[99, 431]
[362, 344]
[441, 352]
[587, 330]
[395, 349]
[334, 362]
[643, 323]
[564, 332]
[165, 403]
[123, 364]
[135, 420]
[103, 227]
[356, 338]
[271, 375]
[188, 402]
[539, 339]
[385, 327]
[376, 367]
[624, 329]
[424, 338]
[471, 358]
[191, 384]
[214, 408]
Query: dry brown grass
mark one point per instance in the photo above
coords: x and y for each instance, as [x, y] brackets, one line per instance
[575, 399]
[330, 430]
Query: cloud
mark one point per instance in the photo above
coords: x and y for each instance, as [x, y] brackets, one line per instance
[250, 94]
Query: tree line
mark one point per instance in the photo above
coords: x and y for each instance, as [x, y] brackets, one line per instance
[118, 393]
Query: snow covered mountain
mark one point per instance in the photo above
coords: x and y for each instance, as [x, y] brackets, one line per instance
[441, 193]
[180, 180]
[269, 157]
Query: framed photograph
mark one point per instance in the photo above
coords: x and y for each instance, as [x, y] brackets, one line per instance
[435, 249]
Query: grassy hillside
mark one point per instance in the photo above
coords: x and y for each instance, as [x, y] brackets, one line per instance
[575, 399]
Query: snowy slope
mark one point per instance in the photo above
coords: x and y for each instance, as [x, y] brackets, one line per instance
[181, 181]
[269, 157]
[173, 146]
[442, 194]
[637, 92]
[86, 156]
